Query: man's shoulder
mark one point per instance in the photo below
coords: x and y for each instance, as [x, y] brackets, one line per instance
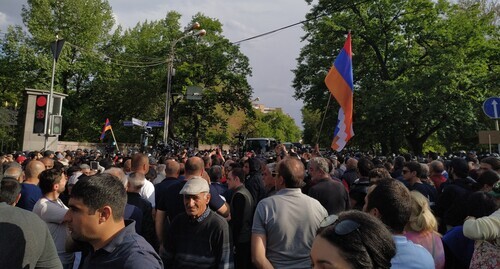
[27, 187]
[136, 250]
[12, 214]
[148, 184]
[408, 252]
[166, 182]
[282, 198]
[327, 183]
[243, 192]
[176, 186]
[217, 219]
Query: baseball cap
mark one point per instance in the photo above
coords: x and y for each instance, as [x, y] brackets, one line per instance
[195, 185]
[20, 159]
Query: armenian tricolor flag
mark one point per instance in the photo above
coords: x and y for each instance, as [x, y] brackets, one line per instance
[339, 82]
[107, 126]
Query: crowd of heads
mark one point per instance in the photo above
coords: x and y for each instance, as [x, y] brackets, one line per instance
[382, 200]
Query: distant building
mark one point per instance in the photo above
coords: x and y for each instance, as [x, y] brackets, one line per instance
[262, 108]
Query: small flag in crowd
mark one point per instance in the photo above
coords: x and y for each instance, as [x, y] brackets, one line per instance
[339, 82]
[107, 126]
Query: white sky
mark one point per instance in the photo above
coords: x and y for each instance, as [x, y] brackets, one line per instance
[271, 57]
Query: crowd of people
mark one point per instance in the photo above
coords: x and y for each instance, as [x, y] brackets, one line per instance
[82, 209]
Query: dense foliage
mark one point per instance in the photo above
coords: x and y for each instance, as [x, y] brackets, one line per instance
[422, 68]
[109, 72]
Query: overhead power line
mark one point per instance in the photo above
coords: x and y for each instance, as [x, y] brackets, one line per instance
[159, 61]
[275, 31]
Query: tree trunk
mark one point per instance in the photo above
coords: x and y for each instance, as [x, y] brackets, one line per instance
[416, 144]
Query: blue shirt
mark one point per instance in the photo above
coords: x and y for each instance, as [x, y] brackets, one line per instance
[30, 194]
[161, 188]
[410, 255]
[127, 250]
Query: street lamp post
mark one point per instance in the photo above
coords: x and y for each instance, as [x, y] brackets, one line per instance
[170, 70]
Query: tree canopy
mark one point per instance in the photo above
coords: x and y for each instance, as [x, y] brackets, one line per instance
[109, 72]
[421, 68]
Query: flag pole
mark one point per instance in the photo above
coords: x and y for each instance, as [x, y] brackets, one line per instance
[324, 116]
[114, 138]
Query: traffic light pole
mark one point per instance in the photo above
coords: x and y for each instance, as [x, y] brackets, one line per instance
[49, 104]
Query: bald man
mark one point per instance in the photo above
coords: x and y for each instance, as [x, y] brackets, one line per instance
[30, 192]
[140, 166]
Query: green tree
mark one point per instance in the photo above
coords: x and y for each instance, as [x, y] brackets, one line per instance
[420, 67]
[134, 82]
[273, 124]
[217, 66]
[85, 26]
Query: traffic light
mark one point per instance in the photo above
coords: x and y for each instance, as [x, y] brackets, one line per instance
[40, 114]
[56, 123]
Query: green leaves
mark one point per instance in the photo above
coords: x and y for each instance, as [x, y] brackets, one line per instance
[418, 65]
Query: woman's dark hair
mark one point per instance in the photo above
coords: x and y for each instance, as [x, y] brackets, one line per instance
[368, 245]
[480, 204]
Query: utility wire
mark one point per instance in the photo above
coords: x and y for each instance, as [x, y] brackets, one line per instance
[276, 30]
[128, 63]
[159, 61]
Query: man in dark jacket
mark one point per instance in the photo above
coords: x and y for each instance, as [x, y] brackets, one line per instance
[452, 200]
[253, 181]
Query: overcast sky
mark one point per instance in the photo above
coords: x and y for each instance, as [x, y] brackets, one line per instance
[272, 57]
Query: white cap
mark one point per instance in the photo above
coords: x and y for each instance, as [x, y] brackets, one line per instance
[194, 186]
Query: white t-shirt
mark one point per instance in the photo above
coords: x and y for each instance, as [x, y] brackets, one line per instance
[52, 212]
[148, 192]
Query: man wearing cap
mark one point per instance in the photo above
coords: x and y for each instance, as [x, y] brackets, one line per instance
[198, 238]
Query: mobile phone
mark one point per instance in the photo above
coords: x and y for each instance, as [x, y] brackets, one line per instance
[94, 165]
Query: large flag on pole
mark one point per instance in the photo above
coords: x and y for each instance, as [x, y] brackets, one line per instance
[339, 82]
[107, 126]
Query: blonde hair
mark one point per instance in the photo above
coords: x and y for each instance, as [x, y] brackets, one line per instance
[422, 219]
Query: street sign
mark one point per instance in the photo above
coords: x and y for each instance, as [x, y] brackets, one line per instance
[139, 122]
[489, 137]
[491, 107]
[155, 123]
[148, 123]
